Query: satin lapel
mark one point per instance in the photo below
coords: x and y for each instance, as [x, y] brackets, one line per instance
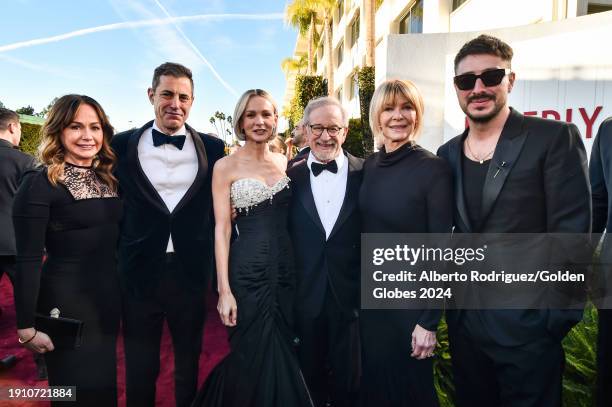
[508, 149]
[304, 191]
[202, 169]
[456, 154]
[351, 196]
[142, 182]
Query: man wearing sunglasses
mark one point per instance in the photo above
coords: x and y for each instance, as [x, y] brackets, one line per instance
[513, 174]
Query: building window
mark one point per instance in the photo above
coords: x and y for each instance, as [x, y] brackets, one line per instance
[339, 94]
[354, 34]
[340, 9]
[412, 22]
[339, 54]
[598, 8]
[457, 4]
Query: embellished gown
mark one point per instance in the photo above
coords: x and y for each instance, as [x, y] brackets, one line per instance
[262, 369]
[77, 223]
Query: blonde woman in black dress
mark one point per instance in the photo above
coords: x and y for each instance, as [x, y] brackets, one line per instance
[405, 189]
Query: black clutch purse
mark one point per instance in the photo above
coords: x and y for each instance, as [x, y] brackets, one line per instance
[64, 332]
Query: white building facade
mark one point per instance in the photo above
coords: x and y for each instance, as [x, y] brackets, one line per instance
[431, 27]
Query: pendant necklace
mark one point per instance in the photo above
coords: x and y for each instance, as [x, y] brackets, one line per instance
[482, 159]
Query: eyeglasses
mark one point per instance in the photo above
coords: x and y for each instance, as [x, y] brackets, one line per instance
[493, 77]
[332, 131]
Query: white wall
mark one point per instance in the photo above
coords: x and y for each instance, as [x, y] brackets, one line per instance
[559, 66]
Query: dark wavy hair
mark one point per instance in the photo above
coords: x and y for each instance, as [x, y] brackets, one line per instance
[51, 150]
[485, 45]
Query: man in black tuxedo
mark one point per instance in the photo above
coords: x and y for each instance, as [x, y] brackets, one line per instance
[165, 249]
[513, 174]
[325, 230]
[13, 164]
[600, 169]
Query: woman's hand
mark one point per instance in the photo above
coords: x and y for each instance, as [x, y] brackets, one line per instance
[228, 310]
[423, 342]
[36, 341]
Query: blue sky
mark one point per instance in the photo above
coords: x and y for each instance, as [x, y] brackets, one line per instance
[108, 49]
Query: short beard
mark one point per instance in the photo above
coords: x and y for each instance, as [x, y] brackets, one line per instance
[486, 118]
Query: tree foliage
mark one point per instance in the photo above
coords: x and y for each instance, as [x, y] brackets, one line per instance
[223, 125]
[365, 76]
[307, 87]
[29, 110]
[30, 138]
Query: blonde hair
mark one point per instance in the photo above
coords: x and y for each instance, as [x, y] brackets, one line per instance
[241, 107]
[387, 93]
[51, 150]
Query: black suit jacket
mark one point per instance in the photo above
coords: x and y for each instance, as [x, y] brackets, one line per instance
[147, 223]
[542, 187]
[13, 164]
[600, 170]
[301, 155]
[321, 263]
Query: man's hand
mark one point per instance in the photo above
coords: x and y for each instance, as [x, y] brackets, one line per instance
[423, 342]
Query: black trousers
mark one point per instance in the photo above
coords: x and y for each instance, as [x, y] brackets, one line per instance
[604, 359]
[487, 374]
[7, 265]
[184, 309]
[329, 355]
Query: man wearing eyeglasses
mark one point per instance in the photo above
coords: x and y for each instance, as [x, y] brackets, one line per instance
[325, 230]
[513, 174]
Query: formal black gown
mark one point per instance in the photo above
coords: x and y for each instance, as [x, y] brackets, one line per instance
[77, 222]
[262, 369]
[406, 191]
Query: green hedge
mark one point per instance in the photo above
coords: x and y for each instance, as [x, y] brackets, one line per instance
[365, 77]
[307, 87]
[354, 139]
[30, 138]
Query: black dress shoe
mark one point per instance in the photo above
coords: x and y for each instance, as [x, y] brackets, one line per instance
[7, 362]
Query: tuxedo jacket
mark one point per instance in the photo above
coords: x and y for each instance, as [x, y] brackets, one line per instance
[301, 155]
[322, 264]
[537, 182]
[600, 170]
[147, 223]
[13, 164]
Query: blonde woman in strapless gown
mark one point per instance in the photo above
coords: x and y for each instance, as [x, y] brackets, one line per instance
[256, 279]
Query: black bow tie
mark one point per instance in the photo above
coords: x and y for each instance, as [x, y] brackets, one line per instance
[160, 138]
[317, 168]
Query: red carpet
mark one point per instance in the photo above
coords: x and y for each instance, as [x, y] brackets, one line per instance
[214, 347]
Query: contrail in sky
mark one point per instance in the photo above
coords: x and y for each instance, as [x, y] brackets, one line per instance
[197, 51]
[137, 24]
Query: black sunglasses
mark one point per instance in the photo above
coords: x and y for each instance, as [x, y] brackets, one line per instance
[493, 77]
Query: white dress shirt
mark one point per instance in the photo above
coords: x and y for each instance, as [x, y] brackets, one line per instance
[171, 171]
[328, 190]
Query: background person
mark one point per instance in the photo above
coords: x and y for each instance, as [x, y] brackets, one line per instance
[71, 208]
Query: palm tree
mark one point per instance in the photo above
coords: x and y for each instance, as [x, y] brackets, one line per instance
[369, 17]
[305, 15]
[301, 15]
[293, 64]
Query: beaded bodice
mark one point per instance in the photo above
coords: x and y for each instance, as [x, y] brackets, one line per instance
[84, 183]
[246, 193]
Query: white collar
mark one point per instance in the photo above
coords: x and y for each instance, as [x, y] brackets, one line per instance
[180, 132]
[339, 159]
